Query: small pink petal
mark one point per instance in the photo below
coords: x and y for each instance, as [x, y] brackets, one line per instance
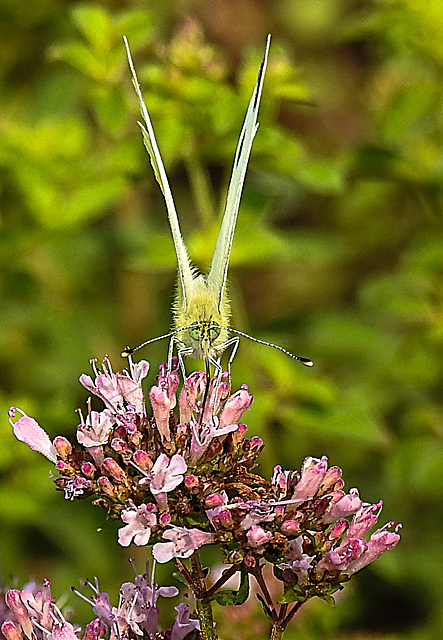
[29, 431]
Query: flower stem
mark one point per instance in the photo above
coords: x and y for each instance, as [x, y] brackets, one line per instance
[221, 581]
[277, 631]
[204, 608]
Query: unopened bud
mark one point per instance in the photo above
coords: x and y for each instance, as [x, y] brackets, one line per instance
[225, 518]
[191, 482]
[88, 469]
[164, 519]
[11, 631]
[258, 536]
[250, 561]
[111, 467]
[290, 527]
[15, 604]
[213, 500]
[106, 486]
[63, 446]
[142, 460]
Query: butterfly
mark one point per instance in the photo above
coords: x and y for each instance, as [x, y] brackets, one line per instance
[201, 310]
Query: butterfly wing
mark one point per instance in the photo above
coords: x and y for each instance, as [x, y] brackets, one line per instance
[185, 269]
[216, 278]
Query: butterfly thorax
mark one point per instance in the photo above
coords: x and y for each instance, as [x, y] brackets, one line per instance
[207, 323]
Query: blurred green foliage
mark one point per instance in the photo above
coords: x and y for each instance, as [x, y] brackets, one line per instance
[338, 255]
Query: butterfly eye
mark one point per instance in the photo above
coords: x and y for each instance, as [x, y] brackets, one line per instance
[214, 332]
[195, 332]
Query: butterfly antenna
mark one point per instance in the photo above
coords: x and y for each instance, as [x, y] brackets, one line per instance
[127, 352]
[305, 361]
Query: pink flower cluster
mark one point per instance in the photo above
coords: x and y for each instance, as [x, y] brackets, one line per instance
[188, 461]
[31, 613]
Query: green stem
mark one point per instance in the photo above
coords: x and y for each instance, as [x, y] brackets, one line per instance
[204, 608]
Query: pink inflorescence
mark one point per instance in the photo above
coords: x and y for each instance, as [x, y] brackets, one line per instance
[31, 613]
[179, 476]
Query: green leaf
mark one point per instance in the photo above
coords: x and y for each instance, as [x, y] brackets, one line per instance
[327, 598]
[80, 57]
[227, 597]
[179, 577]
[290, 595]
[94, 23]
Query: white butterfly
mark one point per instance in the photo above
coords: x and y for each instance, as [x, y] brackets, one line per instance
[201, 311]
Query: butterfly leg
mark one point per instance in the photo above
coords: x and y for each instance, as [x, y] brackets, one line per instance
[232, 342]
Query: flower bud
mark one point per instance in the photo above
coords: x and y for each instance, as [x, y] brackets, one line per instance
[250, 561]
[192, 482]
[225, 518]
[11, 631]
[290, 527]
[111, 467]
[338, 529]
[213, 500]
[164, 519]
[105, 485]
[88, 469]
[239, 434]
[15, 604]
[120, 446]
[258, 536]
[235, 407]
[142, 460]
[95, 630]
[63, 446]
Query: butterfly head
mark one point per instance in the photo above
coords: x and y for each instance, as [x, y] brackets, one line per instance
[202, 338]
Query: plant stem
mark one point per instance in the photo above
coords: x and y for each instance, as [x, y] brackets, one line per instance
[221, 581]
[276, 632]
[257, 573]
[204, 608]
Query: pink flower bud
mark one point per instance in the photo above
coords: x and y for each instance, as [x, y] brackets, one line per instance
[225, 518]
[164, 519]
[332, 476]
[290, 527]
[142, 460]
[11, 631]
[105, 485]
[338, 529]
[193, 387]
[111, 467]
[63, 446]
[255, 442]
[257, 536]
[95, 630]
[63, 467]
[191, 482]
[312, 474]
[161, 407]
[250, 561]
[346, 505]
[239, 434]
[88, 469]
[213, 500]
[15, 604]
[120, 446]
[235, 407]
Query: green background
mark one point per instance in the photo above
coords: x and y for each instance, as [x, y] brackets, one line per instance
[338, 256]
